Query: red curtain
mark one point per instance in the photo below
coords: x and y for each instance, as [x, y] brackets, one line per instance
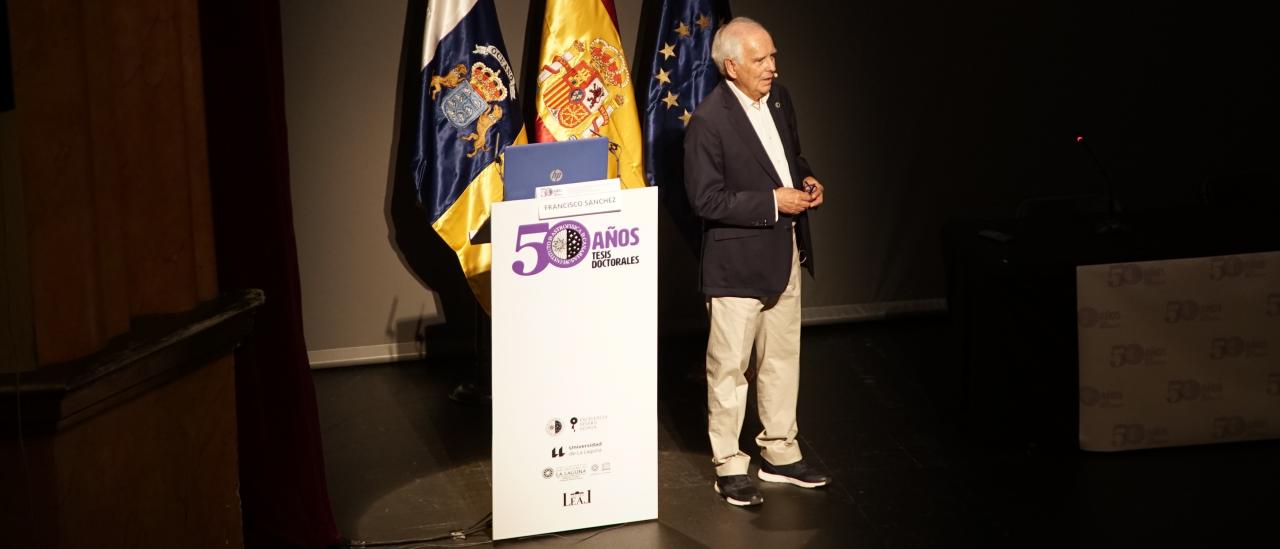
[282, 477]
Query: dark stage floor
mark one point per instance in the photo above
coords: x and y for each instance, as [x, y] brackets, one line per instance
[406, 462]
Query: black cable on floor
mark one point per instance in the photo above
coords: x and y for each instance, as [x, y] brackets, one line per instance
[457, 535]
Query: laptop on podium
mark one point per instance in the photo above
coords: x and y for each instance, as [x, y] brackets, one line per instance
[527, 167]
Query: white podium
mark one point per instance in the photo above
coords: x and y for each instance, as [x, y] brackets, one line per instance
[574, 362]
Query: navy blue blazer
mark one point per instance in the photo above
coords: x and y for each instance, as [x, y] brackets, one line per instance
[730, 182]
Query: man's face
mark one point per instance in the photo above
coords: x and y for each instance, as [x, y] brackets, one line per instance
[755, 73]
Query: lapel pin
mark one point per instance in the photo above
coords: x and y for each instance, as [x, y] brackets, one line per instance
[777, 104]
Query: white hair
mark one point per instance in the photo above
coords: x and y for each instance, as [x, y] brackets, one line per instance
[727, 43]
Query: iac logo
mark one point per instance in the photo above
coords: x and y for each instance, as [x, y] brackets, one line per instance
[564, 245]
[554, 426]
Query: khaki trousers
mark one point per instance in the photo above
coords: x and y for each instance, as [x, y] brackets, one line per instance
[772, 326]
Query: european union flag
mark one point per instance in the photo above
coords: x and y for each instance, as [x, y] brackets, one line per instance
[468, 116]
[680, 73]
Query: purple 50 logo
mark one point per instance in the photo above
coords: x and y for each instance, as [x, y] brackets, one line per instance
[564, 245]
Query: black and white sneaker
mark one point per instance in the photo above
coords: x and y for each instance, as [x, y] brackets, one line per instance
[798, 473]
[738, 490]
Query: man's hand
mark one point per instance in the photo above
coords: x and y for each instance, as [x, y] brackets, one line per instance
[792, 201]
[814, 188]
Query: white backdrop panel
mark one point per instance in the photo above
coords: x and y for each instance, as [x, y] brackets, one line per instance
[1179, 352]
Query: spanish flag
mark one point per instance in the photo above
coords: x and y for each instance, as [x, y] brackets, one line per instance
[585, 89]
[468, 117]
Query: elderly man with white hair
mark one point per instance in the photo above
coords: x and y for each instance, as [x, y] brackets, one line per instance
[748, 181]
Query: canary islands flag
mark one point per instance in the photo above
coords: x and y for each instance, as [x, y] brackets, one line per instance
[469, 115]
[584, 86]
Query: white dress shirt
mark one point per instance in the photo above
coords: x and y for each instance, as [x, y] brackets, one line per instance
[762, 121]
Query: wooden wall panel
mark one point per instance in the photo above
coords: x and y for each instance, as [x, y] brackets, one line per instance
[55, 146]
[115, 170]
[157, 471]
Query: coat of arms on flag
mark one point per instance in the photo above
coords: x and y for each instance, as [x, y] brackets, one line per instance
[473, 96]
[582, 87]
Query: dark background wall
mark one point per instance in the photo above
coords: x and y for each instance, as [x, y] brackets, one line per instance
[914, 114]
[922, 112]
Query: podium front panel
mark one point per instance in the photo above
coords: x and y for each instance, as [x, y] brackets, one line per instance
[574, 367]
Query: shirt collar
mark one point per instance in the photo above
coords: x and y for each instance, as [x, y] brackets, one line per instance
[747, 103]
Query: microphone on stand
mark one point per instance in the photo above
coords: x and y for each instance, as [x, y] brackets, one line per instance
[1111, 223]
[613, 151]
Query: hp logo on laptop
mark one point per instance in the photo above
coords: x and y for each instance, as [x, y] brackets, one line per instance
[557, 175]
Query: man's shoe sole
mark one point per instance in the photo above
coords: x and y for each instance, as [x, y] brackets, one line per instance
[771, 477]
[732, 501]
